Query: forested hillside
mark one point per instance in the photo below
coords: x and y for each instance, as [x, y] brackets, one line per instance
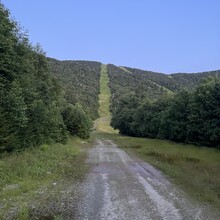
[150, 85]
[176, 81]
[33, 110]
[123, 82]
[80, 80]
[179, 107]
[191, 80]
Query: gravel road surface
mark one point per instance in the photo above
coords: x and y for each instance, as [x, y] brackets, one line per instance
[121, 187]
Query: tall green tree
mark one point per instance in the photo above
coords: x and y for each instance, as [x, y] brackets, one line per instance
[77, 121]
[174, 119]
[204, 126]
[30, 99]
[123, 114]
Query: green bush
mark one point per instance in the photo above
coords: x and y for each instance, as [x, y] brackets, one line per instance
[77, 121]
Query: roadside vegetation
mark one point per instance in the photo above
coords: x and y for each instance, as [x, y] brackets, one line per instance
[42, 158]
[34, 179]
[32, 102]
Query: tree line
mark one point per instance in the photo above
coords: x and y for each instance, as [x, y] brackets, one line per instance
[186, 116]
[33, 108]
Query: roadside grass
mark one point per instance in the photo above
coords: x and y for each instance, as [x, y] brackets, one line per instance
[24, 174]
[194, 169]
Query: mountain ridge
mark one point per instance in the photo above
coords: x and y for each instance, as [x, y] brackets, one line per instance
[138, 68]
[80, 79]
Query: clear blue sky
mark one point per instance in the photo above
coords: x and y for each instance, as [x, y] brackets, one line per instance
[158, 35]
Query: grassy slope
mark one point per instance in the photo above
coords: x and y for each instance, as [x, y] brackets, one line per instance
[25, 174]
[103, 123]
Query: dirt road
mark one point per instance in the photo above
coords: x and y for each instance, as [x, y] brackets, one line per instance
[120, 187]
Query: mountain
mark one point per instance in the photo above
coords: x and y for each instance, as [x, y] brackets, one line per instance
[179, 107]
[176, 81]
[80, 80]
[149, 84]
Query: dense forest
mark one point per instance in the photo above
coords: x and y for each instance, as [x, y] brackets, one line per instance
[33, 108]
[186, 116]
[80, 80]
